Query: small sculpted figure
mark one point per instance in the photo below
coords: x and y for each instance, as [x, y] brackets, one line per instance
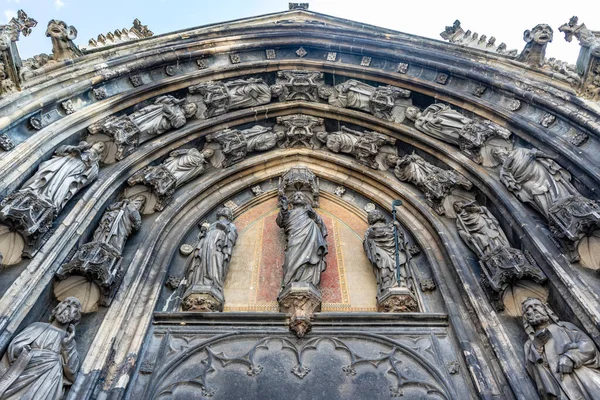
[479, 228]
[62, 37]
[165, 114]
[306, 246]
[364, 146]
[119, 221]
[42, 358]
[562, 360]
[534, 177]
[536, 40]
[244, 93]
[209, 263]
[186, 164]
[380, 248]
[260, 138]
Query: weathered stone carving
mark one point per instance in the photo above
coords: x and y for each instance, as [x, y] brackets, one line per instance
[300, 179]
[386, 102]
[68, 106]
[137, 31]
[443, 123]
[43, 357]
[32, 209]
[306, 248]
[10, 61]
[534, 52]
[561, 359]
[393, 293]
[456, 34]
[6, 143]
[538, 180]
[233, 145]
[62, 37]
[364, 146]
[502, 265]
[300, 130]
[298, 85]
[219, 97]
[7, 85]
[437, 184]
[207, 266]
[100, 259]
[182, 166]
[127, 131]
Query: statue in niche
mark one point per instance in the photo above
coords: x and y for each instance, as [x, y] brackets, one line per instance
[536, 40]
[42, 358]
[207, 266]
[380, 248]
[62, 37]
[182, 166]
[386, 102]
[32, 209]
[562, 360]
[219, 97]
[443, 123]
[501, 264]
[306, 246]
[436, 183]
[100, 259]
[165, 114]
[364, 146]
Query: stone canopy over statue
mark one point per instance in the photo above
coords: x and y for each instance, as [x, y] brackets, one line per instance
[43, 357]
[208, 264]
[562, 360]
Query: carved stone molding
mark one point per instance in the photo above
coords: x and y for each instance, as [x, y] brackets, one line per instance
[203, 298]
[397, 300]
[300, 130]
[301, 300]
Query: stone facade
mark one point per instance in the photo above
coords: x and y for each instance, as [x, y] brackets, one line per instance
[252, 207]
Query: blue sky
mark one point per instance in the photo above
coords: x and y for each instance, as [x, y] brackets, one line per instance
[506, 21]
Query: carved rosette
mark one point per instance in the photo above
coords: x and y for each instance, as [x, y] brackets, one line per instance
[571, 219]
[30, 215]
[6, 143]
[301, 300]
[160, 180]
[202, 298]
[101, 264]
[397, 300]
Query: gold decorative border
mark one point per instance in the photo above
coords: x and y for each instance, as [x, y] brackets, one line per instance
[340, 261]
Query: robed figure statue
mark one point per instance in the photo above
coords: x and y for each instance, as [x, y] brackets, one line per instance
[306, 246]
[209, 263]
[43, 357]
[562, 360]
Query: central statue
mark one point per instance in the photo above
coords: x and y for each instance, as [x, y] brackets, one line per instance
[306, 246]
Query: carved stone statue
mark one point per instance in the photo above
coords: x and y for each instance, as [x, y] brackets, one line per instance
[436, 183]
[443, 123]
[42, 358]
[182, 166]
[219, 97]
[364, 146]
[207, 266]
[298, 85]
[536, 40]
[502, 265]
[300, 130]
[386, 102]
[100, 259]
[62, 37]
[165, 114]
[32, 209]
[562, 359]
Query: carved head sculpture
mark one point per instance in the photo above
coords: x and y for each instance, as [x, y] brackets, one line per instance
[412, 113]
[207, 153]
[67, 311]
[299, 199]
[98, 148]
[189, 110]
[391, 160]
[541, 34]
[376, 216]
[536, 313]
[225, 212]
[470, 206]
[325, 92]
[334, 143]
[500, 153]
[277, 90]
[60, 31]
[322, 136]
[138, 201]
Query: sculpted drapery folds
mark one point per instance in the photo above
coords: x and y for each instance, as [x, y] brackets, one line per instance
[208, 265]
[165, 114]
[42, 358]
[119, 221]
[381, 251]
[479, 228]
[219, 97]
[306, 246]
[562, 360]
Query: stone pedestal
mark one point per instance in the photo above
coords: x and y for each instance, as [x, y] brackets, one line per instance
[203, 298]
[301, 300]
[397, 299]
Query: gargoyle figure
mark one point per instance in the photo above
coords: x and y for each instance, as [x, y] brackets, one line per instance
[62, 37]
[536, 40]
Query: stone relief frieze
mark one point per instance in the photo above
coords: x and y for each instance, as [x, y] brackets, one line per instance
[298, 85]
[300, 130]
[502, 264]
[99, 260]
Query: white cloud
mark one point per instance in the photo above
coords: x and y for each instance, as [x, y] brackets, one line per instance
[59, 4]
[13, 1]
[9, 14]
